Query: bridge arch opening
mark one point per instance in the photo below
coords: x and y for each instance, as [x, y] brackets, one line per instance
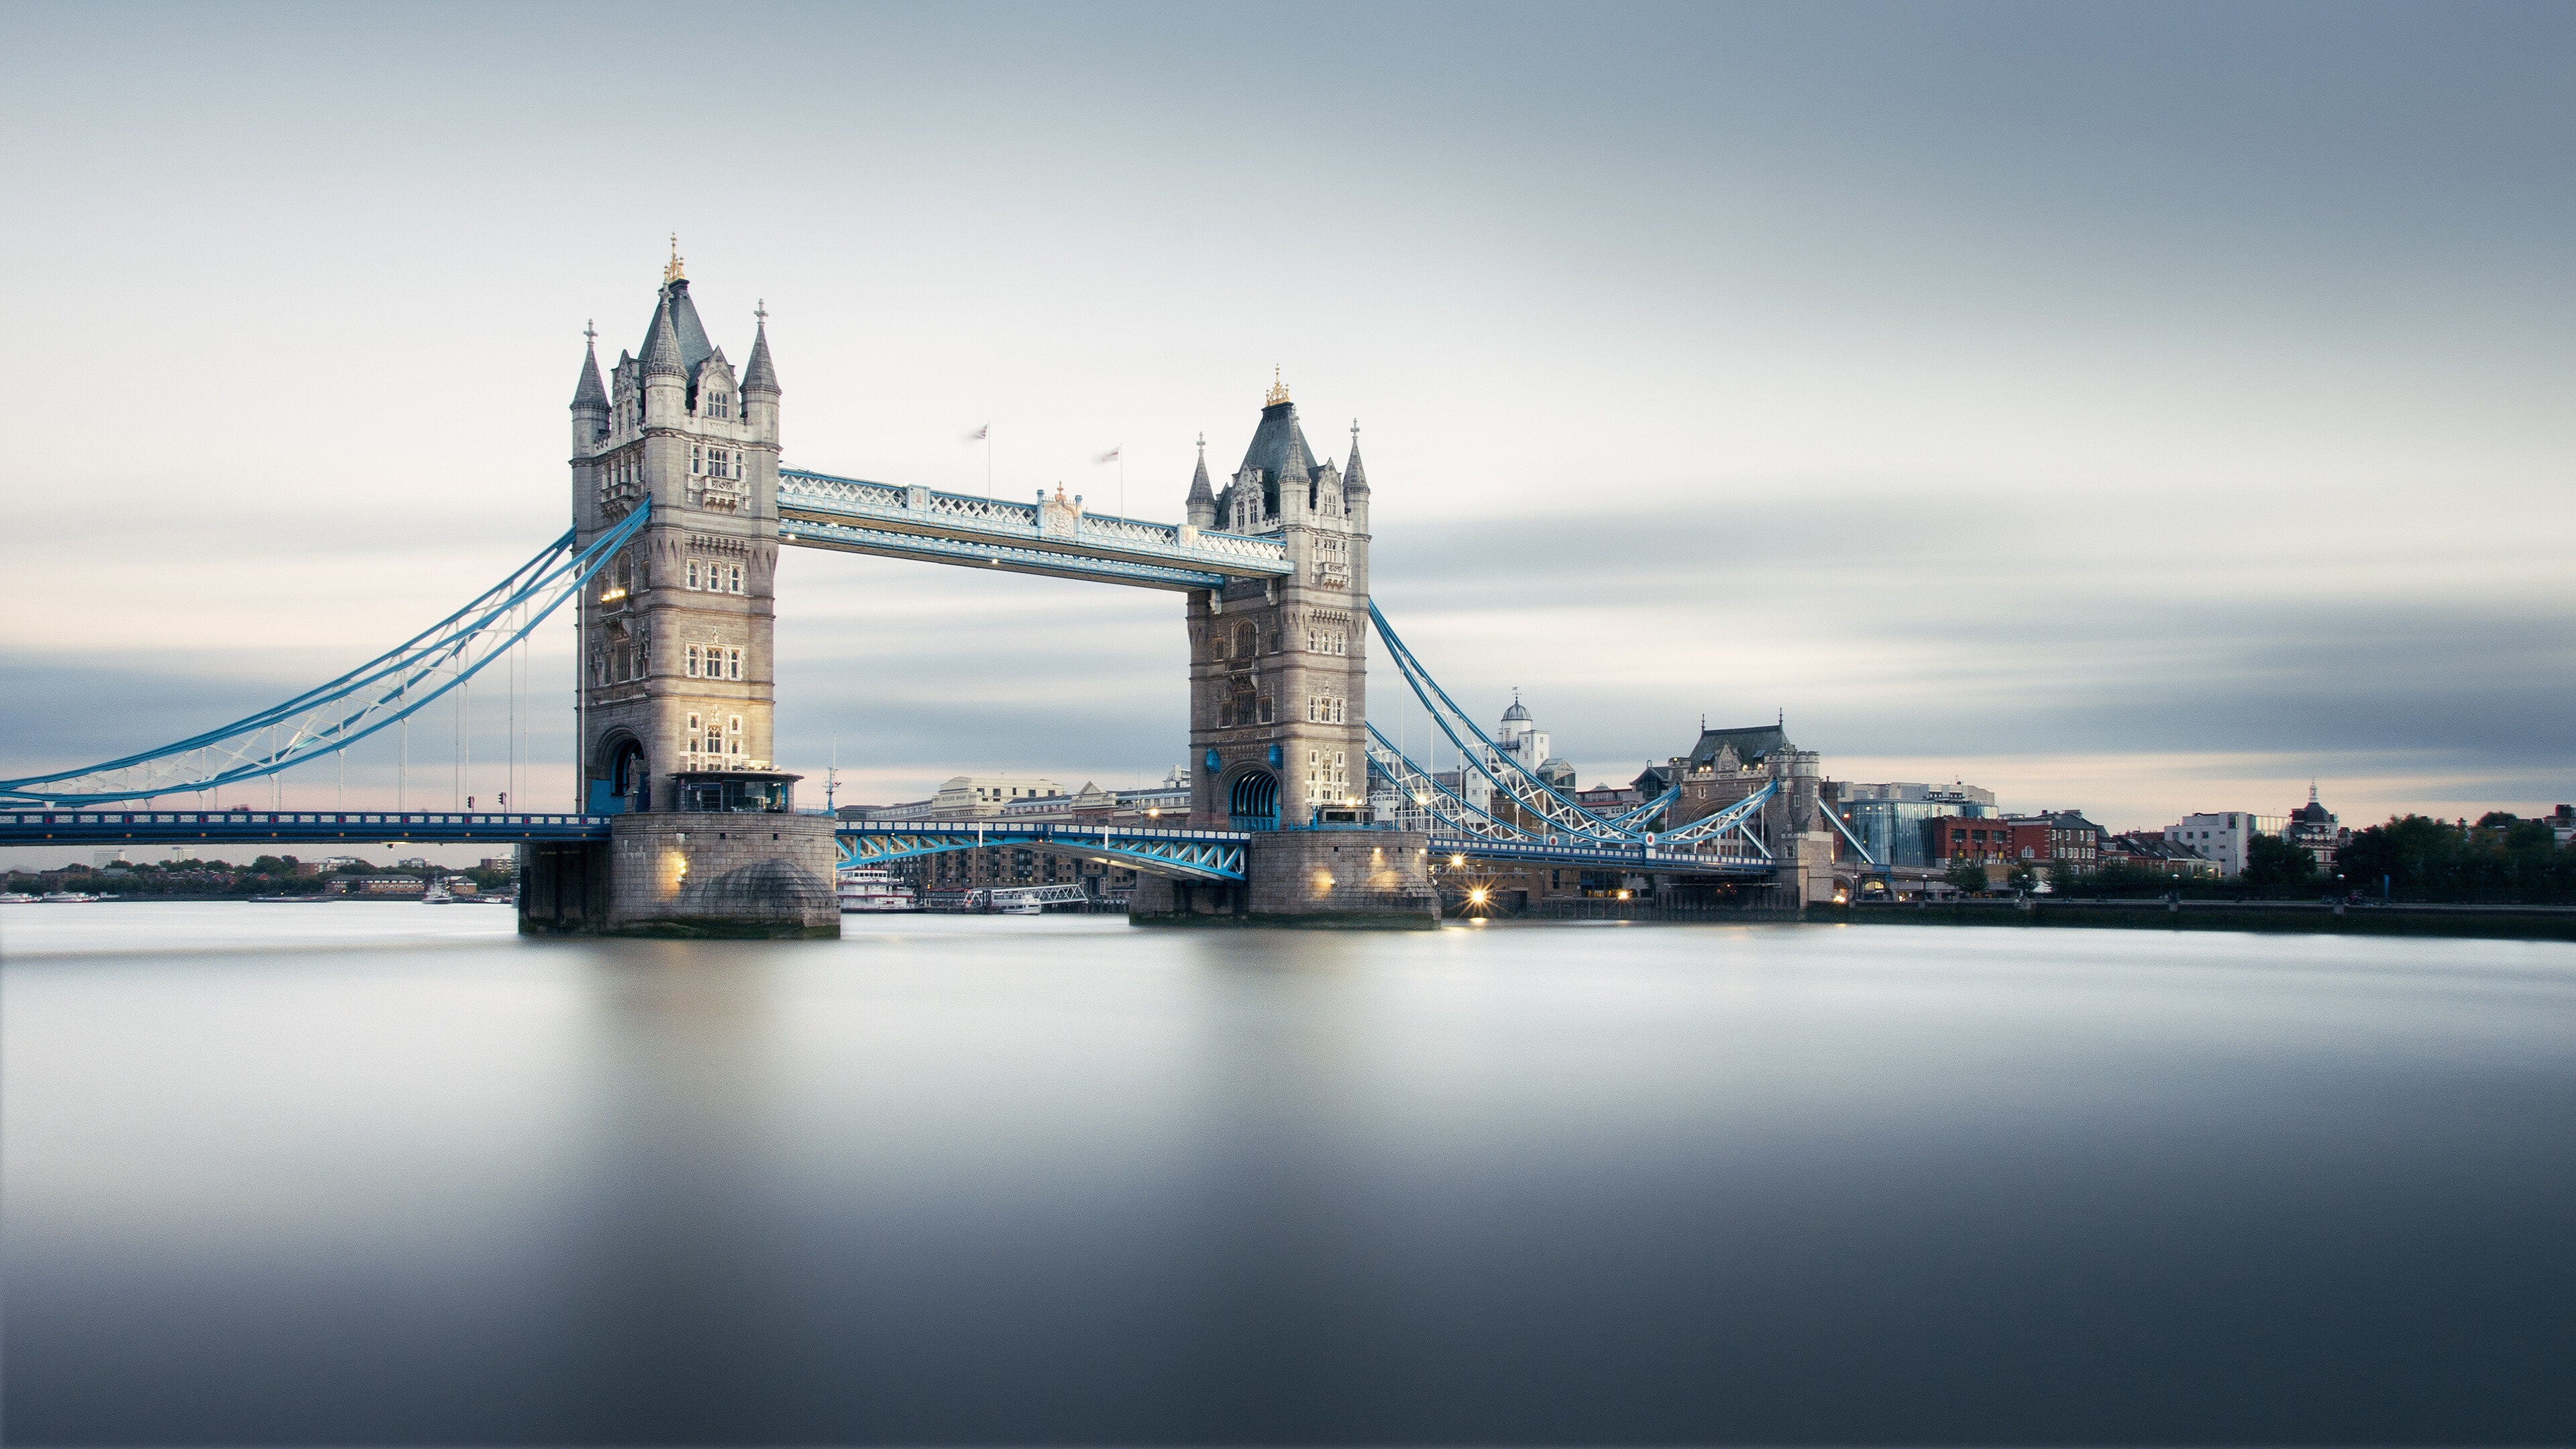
[627, 774]
[1253, 800]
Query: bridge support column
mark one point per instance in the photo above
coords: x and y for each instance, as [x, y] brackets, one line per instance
[563, 888]
[1367, 879]
[744, 876]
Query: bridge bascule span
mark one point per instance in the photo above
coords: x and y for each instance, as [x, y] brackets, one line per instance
[683, 823]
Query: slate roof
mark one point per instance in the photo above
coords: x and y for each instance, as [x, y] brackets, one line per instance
[1755, 742]
[1355, 478]
[1279, 450]
[689, 344]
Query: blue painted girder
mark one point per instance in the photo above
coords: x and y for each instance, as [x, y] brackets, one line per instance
[1623, 857]
[1189, 854]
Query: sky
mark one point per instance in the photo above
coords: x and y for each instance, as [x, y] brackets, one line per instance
[2142, 409]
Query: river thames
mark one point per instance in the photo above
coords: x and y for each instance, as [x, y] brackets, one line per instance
[371, 1172]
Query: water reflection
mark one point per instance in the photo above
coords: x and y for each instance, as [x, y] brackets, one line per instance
[1056, 1179]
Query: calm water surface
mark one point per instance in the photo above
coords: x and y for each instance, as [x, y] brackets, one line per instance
[379, 1172]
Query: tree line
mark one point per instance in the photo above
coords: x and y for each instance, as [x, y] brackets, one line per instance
[2502, 859]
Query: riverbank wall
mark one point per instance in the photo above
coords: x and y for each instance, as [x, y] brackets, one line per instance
[2530, 923]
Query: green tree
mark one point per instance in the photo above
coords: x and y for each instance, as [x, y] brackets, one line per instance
[2021, 877]
[1969, 876]
[2272, 861]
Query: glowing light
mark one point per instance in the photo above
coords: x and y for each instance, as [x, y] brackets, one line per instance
[1477, 895]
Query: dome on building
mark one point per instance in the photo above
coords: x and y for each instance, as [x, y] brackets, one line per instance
[1518, 713]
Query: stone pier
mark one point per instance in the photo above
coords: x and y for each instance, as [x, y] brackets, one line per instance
[1364, 879]
[741, 876]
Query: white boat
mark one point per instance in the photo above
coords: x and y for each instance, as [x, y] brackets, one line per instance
[437, 895]
[67, 898]
[16, 898]
[874, 888]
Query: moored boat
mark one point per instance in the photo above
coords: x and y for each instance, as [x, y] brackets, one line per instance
[874, 888]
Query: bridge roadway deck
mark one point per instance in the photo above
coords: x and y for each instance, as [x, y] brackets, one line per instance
[1189, 854]
[1196, 854]
[1645, 858]
[109, 827]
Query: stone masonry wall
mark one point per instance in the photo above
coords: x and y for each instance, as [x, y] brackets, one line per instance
[744, 875]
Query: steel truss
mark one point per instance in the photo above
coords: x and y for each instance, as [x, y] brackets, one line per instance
[1189, 854]
[388, 688]
[1563, 822]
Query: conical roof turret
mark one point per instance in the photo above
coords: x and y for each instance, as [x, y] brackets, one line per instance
[1355, 477]
[760, 375]
[588, 396]
[662, 344]
[1200, 492]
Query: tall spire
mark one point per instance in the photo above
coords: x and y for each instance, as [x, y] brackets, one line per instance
[1354, 477]
[662, 346]
[1200, 510]
[1199, 489]
[588, 395]
[759, 375]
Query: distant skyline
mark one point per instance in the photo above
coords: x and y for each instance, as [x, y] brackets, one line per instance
[2134, 409]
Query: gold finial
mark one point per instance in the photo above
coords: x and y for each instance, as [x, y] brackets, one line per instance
[1278, 390]
[672, 273]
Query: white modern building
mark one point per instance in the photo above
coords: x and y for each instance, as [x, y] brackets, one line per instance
[2226, 837]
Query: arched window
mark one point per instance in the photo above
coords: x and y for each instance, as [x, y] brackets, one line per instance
[1245, 640]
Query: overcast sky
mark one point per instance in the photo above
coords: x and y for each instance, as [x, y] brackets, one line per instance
[2140, 409]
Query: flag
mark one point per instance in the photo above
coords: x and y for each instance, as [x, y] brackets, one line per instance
[1109, 457]
[981, 434]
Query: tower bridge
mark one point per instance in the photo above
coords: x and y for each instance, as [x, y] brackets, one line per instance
[685, 824]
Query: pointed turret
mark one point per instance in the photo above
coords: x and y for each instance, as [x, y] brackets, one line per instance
[1200, 509]
[1355, 477]
[590, 395]
[760, 375]
[662, 344]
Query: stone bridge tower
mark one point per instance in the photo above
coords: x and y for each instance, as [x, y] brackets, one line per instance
[1279, 703]
[676, 666]
[1278, 668]
[676, 671]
